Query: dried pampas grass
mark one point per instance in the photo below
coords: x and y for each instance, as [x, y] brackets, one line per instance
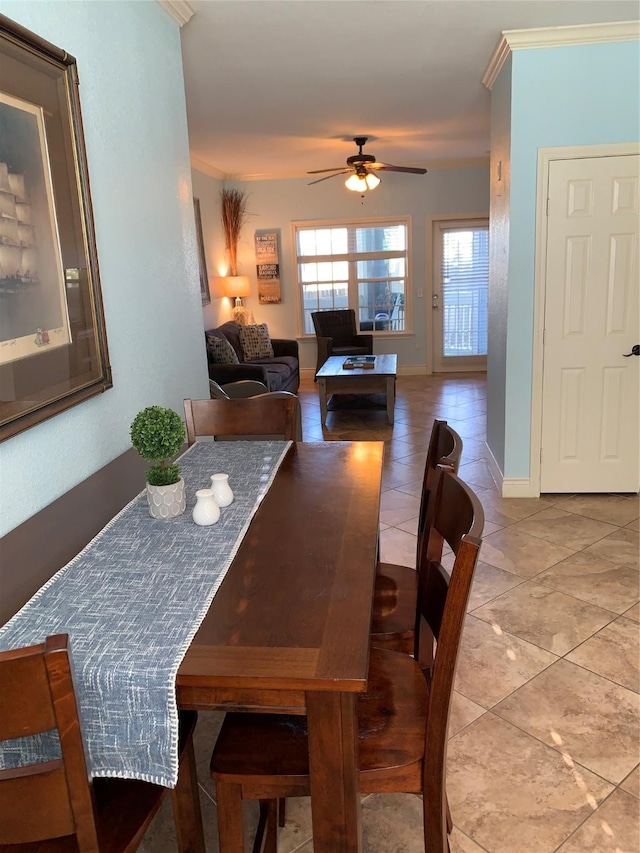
[234, 216]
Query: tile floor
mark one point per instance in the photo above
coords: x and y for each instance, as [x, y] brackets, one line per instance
[543, 754]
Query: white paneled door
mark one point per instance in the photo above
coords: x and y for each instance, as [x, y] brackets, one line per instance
[590, 393]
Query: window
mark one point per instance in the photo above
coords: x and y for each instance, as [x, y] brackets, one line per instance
[360, 265]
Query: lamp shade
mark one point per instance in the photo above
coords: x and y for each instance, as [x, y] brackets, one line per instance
[237, 285]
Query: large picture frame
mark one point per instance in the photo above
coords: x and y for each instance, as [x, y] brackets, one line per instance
[53, 343]
[202, 260]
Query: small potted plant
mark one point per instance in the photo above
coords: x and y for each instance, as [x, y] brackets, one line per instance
[158, 434]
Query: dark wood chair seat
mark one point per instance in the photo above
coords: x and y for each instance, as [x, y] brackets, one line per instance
[403, 716]
[394, 603]
[54, 807]
[392, 718]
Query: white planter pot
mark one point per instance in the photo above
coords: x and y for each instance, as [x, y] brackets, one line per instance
[166, 501]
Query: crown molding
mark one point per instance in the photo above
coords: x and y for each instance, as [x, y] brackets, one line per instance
[511, 40]
[206, 168]
[179, 10]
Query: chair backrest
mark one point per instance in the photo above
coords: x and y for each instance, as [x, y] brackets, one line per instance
[455, 517]
[268, 414]
[339, 325]
[445, 448]
[38, 696]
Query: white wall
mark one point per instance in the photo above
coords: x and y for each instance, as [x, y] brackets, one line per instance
[276, 204]
[133, 105]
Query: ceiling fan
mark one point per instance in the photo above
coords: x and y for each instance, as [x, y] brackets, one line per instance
[364, 167]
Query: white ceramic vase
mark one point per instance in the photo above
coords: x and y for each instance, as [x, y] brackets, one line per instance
[222, 489]
[206, 511]
[166, 501]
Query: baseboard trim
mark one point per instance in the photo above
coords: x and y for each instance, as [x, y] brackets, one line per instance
[519, 487]
[492, 464]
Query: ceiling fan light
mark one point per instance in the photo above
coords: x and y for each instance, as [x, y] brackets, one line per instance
[356, 183]
[372, 180]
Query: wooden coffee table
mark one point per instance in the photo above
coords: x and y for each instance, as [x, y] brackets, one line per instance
[334, 379]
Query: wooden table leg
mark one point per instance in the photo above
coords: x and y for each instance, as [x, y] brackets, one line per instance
[186, 805]
[322, 392]
[391, 397]
[335, 802]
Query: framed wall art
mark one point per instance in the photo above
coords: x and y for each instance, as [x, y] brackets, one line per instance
[53, 345]
[268, 267]
[202, 260]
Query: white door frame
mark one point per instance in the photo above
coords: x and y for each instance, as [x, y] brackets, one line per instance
[545, 156]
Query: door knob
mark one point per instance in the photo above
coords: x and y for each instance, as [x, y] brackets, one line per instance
[634, 351]
[434, 303]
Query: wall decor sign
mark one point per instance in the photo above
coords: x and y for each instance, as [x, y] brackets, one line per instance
[202, 260]
[267, 267]
[53, 345]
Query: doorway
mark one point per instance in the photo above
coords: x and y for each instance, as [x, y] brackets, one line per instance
[589, 310]
[460, 279]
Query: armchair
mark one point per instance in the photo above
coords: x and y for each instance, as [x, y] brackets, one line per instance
[336, 334]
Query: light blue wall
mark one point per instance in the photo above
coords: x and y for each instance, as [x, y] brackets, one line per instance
[133, 105]
[500, 183]
[276, 204]
[578, 95]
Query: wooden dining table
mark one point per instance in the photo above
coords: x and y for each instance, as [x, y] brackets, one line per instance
[288, 630]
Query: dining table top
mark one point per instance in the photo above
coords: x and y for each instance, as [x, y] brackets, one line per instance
[293, 613]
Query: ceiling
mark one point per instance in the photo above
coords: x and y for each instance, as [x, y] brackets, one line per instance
[278, 87]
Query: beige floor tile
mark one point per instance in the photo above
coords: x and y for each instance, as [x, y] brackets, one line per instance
[461, 843]
[613, 653]
[410, 526]
[297, 829]
[511, 793]
[592, 579]
[477, 474]
[612, 827]
[564, 528]
[520, 553]
[507, 510]
[398, 547]
[620, 547]
[413, 488]
[550, 619]
[463, 712]
[488, 583]
[635, 525]
[633, 613]
[492, 664]
[392, 823]
[587, 718]
[632, 783]
[613, 509]
[473, 449]
[396, 507]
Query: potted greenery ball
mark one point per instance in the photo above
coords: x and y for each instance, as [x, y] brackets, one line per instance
[158, 434]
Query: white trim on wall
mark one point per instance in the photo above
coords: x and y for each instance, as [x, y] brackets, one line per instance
[511, 40]
[179, 10]
[545, 156]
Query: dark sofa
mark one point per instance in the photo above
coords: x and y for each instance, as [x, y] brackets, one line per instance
[280, 373]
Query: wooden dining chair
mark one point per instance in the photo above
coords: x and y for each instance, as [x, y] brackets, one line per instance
[402, 718]
[394, 603]
[54, 806]
[267, 415]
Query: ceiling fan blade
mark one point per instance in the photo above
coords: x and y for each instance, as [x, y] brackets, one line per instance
[318, 171]
[326, 177]
[387, 167]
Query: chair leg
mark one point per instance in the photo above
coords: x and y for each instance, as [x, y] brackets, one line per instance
[266, 840]
[185, 799]
[449, 819]
[282, 811]
[436, 817]
[230, 826]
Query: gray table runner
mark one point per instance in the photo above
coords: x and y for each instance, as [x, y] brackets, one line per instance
[131, 602]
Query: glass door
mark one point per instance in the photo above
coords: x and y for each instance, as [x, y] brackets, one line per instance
[460, 292]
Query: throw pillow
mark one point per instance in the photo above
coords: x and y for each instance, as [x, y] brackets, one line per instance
[255, 341]
[221, 351]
